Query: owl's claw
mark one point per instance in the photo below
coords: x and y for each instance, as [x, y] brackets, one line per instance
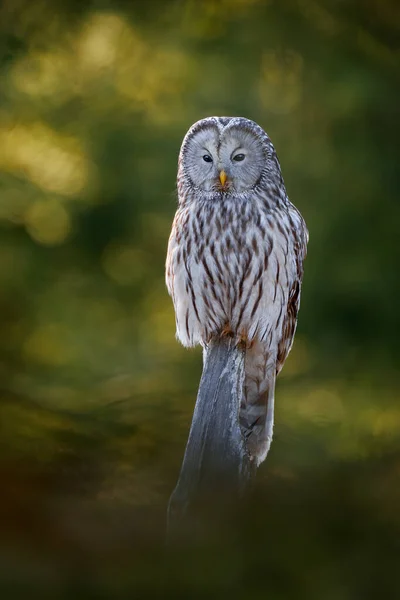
[227, 331]
[241, 339]
[243, 342]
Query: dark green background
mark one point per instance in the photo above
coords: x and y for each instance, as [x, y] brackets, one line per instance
[96, 394]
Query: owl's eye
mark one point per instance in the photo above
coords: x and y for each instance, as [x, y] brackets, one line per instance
[238, 157]
[207, 158]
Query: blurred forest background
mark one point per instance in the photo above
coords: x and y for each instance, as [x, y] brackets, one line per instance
[96, 394]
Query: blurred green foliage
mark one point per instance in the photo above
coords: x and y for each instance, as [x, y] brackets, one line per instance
[96, 394]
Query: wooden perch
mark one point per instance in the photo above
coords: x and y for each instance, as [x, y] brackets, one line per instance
[216, 463]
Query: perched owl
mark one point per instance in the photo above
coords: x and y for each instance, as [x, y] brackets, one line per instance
[235, 258]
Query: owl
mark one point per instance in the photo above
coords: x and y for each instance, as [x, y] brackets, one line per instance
[235, 258]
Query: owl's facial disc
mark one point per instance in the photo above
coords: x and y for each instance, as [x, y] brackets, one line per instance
[231, 161]
[242, 157]
[201, 158]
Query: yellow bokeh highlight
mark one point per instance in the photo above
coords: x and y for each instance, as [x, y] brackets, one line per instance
[48, 345]
[163, 73]
[107, 60]
[54, 162]
[102, 40]
[321, 405]
[382, 422]
[45, 74]
[47, 222]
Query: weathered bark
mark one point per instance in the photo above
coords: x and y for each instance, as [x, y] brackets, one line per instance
[216, 466]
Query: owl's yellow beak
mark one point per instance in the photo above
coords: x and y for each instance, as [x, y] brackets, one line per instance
[222, 178]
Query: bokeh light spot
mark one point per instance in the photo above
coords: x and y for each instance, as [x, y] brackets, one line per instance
[48, 222]
[52, 161]
[321, 405]
[48, 345]
[101, 37]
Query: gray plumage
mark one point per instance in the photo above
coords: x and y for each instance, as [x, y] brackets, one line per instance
[235, 257]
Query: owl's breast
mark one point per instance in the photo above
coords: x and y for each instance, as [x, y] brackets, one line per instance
[228, 268]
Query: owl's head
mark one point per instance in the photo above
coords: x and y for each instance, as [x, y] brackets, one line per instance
[228, 155]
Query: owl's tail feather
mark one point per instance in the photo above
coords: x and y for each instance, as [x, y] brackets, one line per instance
[257, 409]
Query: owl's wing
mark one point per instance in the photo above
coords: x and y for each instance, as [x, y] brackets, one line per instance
[257, 412]
[293, 305]
[289, 326]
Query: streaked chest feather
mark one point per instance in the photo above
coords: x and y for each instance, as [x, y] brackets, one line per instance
[231, 265]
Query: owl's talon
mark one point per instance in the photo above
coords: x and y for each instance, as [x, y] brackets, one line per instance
[227, 331]
[243, 342]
